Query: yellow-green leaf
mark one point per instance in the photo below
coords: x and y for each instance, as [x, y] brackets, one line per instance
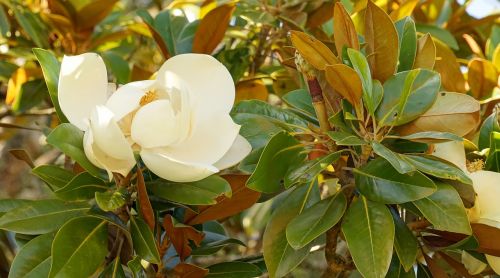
[426, 53]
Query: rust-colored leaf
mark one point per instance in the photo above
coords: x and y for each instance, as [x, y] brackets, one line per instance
[346, 82]
[93, 13]
[451, 112]
[405, 9]
[343, 29]
[320, 15]
[145, 205]
[482, 78]
[426, 53]
[459, 267]
[180, 235]
[312, 50]
[446, 64]
[22, 155]
[242, 198]
[381, 42]
[435, 269]
[487, 236]
[251, 89]
[184, 270]
[212, 28]
[159, 41]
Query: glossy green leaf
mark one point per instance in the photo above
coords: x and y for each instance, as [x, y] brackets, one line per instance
[6, 69]
[79, 248]
[4, 23]
[144, 242]
[397, 161]
[281, 153]
[493, 160]
[432, 136]
[54, 176]
[203, 192]
[309, 170]
[113, 270]
[380, 182]
[445, 210]
[396, 270]
[377, 93]
[50, 68]
[233, 270]
[69, 139]
[118, 65]
[209, 247]
[7, 205]
[369, 232]
[279, 256]
[438, 33]
[489, 125]
[407, 43]
[360, 65]
[110, 200]
[136, 268]
[315, 220]
[407, 95]
[405, 243]
[301, 100]
[32, 24]
[345, 139]
[271, 112]
[33, 260]
[437, 167]
[82, 187]
[41, 217]
[31, 94]
[423, 272]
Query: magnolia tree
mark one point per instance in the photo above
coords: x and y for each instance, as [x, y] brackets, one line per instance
[384, 158]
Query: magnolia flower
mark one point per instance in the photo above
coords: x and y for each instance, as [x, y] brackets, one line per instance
[486, 209]
[179, 123]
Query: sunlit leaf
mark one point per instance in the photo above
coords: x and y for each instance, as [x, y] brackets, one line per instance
[312, 50]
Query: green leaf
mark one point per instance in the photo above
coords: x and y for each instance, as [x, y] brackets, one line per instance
[118, 66]
[7, 205]
[6, 68]
[257, 129]
[377, 93]
[144, 241]
[110, 200]
[310, 169]
[279, 256]
[380, 182]
[437, 167]
[369, 232]
[54, 176]
[397, 161]
[33, 260]
[31, 94]
[41, 217]
[233, 270]
[407, 95]
[426, 136]
[51, 67]
[489, 125]
[135, 266]
[281, 153]
[360, 65]
[209, 247]
[345, 139]
[423, 272]
[445, 210]
[113, 270]
[82, 187]
[203, 192]
[32, 24]
[269, 111]
[405, 243]
[315, 220]
[301, 100]
[438, 33]
[493, 160]
[407, 43]
[4, 23]
[396, 270]
[69, 139]
[79, 248]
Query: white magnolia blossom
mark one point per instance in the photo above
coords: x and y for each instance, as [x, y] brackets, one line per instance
[486, 208]
[179, 123]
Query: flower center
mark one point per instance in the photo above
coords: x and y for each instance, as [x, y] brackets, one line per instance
[150, 96]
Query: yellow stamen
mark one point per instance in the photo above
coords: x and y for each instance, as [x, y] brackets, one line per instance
[475, 165]
[150, 96]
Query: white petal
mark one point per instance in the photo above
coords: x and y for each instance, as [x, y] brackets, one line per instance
[209, 141]
[173, 170]
[487, 187]
[452, 151]
[108, 136]
[494, 262]
[83, 84]
[473, 265]
[126, 98]
[209, 82]
[100, 159]
[154, 125]
[239, 150]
